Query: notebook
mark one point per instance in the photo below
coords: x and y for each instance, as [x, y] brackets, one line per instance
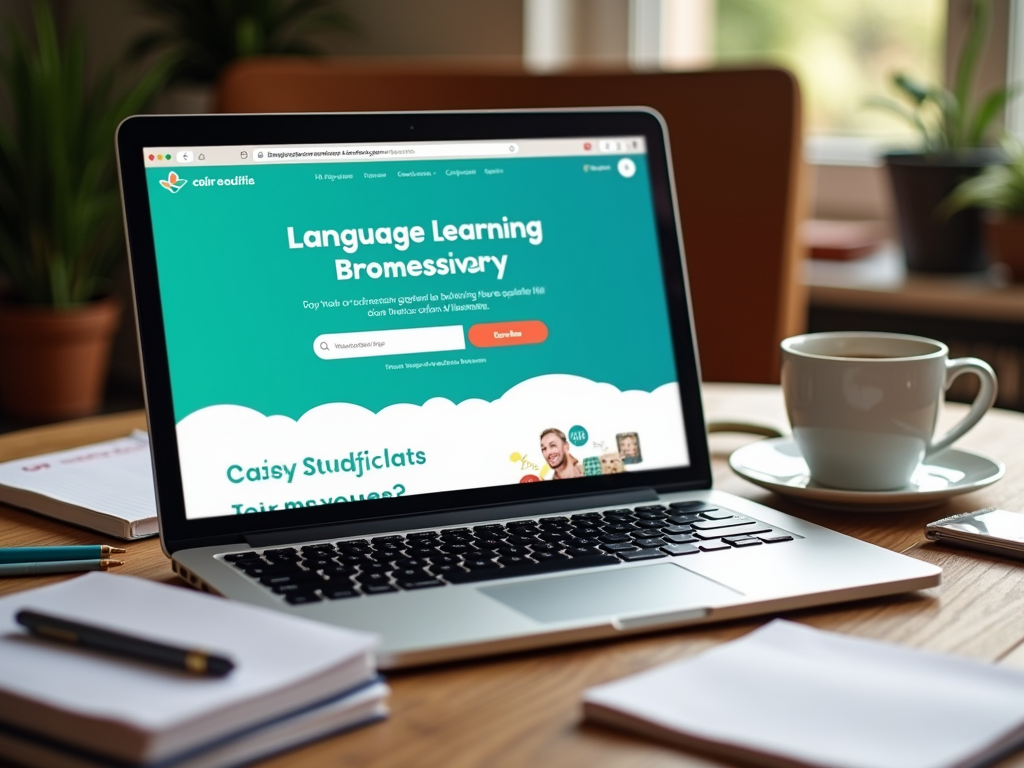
[433, 376]
[106, 486]
[71, 701]
[791, 695]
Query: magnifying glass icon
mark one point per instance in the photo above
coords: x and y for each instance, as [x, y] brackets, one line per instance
[323, 345]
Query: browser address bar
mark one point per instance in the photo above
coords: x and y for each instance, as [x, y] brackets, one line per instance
[358, 152]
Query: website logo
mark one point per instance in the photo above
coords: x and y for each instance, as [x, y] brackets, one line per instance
[173, 182]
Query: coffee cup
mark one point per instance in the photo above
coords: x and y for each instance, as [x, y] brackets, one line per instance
[864, 406]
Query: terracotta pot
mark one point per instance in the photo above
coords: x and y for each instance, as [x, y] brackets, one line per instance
[1005, 238]
[53, 364]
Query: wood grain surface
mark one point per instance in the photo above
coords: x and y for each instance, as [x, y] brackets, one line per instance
[524, 710]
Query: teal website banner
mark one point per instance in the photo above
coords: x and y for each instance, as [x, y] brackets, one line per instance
[347, 331]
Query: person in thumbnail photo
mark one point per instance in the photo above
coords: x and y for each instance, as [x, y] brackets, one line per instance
[629, 447]
[555, 449]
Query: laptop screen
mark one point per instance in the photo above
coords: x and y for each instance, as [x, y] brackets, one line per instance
[370, 321]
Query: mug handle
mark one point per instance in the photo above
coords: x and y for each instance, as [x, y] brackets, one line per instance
[986, 398]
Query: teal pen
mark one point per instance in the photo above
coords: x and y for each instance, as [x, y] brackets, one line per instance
[49, 554]
[56, 566]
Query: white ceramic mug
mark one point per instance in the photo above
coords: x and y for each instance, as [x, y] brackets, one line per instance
[863, 406]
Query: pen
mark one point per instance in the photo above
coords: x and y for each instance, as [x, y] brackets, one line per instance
[194, 660]
[47, 554]
[56, 566]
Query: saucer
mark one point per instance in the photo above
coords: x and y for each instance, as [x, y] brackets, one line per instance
[777, 465]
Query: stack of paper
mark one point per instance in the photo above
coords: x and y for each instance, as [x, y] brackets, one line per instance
[106, 486]
[789, 695]
[63, 707]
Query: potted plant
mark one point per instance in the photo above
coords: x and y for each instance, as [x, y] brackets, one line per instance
[952, 150]
[60, 222]
[999, 191]
[204, 37]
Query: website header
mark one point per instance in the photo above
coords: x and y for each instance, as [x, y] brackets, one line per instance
[158, 157]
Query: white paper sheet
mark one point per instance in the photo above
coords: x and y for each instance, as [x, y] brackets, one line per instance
[803, 695]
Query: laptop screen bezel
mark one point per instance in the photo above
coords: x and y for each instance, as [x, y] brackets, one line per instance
[137, 133]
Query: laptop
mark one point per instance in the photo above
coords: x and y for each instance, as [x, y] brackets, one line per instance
[433, 375]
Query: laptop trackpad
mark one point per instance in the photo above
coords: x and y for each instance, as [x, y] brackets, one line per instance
[652, 589]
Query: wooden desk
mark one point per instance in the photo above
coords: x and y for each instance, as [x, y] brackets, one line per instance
[524, 710]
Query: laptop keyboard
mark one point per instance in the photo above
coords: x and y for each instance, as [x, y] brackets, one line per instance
[376, 565]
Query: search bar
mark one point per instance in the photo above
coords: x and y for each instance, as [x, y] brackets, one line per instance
[363, 152]
[402, 341]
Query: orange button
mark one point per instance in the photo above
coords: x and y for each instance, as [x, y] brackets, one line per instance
[507, 334]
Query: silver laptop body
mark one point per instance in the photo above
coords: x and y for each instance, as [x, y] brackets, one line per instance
[376, 346]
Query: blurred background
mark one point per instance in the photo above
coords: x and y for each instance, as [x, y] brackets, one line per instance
[843, 54]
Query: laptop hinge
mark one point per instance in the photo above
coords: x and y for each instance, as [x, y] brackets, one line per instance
[451, 517]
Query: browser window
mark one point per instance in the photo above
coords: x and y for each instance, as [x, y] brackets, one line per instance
[370, 321]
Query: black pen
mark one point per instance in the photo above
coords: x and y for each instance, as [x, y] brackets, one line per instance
[194, 660]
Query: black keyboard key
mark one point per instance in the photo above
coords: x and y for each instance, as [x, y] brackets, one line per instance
[619, 528]
[592, 542]
[650, 508]
[692, 506]
[513, 560]
[303, 577]
[489, 544]
[684, 519]
[514, 551]
[316, 565]
[289, 589]
[457, 548]
[339, 569]
[582, 551]
[651, 515]
[677, 529]
[680, 549]
[409, 574]
[375, 567]
[446, 568]
[423, 553]
[420, 535]
[656, 541]
[235, 557]
[445, 560]
[475, 563]
[387, 539]
[749, 541]
[411, 562]
[369, 579]
[718, 514]
[710, 525]
[623, 547]
[378, 589]
[750, 529]
[645, 533]
[339, 592]
[520, 541]
[553, 536]
[496, 529]
[532, 569]
[299, 598]
[287, 551]
[585, 533]
[423, 583]
[544, 547]
[314, 548]
[616, 538]
[713, 546]
[650, 553]
[547, 557]
[587, 516]
[774, 537]
[680, 538]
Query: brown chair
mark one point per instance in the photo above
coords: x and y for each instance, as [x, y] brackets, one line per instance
[736, 147]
